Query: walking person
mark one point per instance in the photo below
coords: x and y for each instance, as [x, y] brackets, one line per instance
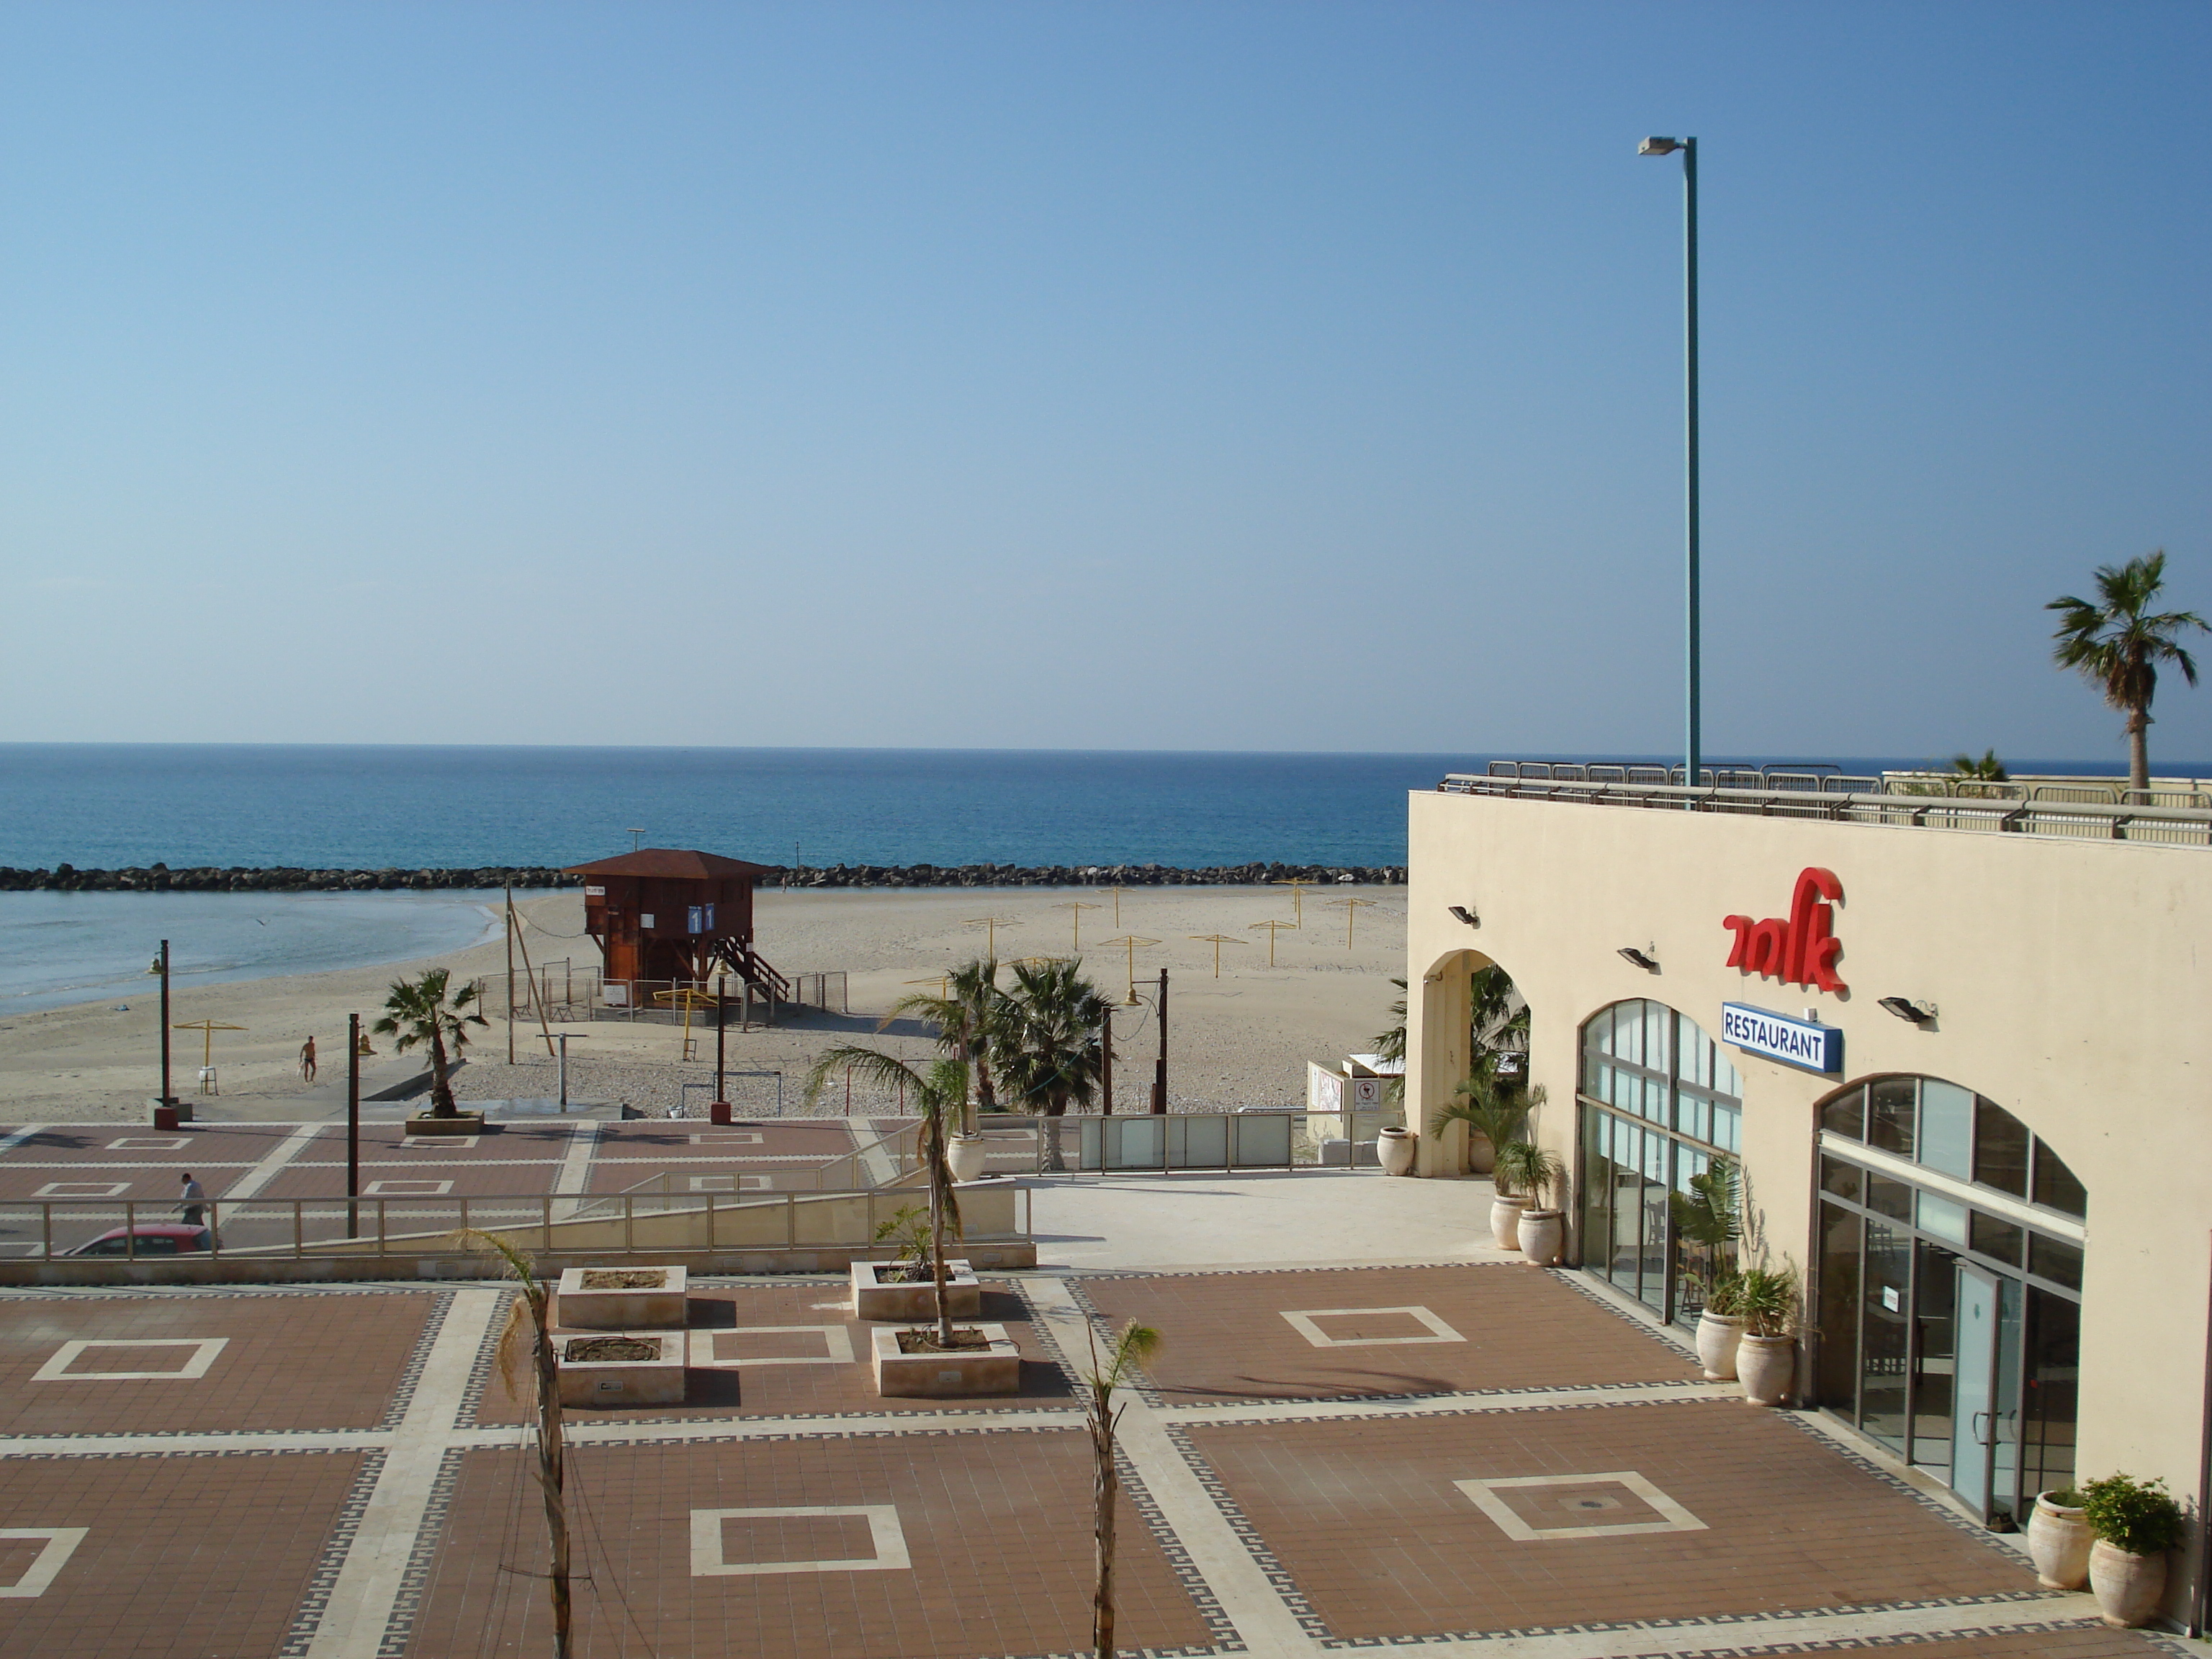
[308, 1060]
[192, 1200]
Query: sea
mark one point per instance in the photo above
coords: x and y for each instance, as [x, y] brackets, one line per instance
[114, 805]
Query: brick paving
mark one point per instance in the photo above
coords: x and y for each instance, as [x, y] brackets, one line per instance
[1223, 1336]
[343, 1482]
[289, 1360]
[996, 1525]
[184, 1557]
[1367, 1518]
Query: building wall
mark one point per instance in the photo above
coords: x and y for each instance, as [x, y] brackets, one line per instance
[2070, 978]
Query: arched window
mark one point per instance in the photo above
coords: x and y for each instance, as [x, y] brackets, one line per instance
[1659, 1102]
[1948, 1286]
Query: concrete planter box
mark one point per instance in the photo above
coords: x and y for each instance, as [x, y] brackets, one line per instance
[994, 1369]
[872, 1300]
[659, 1305]
[656, 1382]
[466, 1123]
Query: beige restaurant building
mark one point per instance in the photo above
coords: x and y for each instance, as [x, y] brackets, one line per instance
[1959, 1048]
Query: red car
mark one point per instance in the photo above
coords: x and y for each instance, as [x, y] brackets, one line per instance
[154, 1239]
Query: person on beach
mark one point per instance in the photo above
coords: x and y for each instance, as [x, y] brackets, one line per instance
[308, 1060]
[192, 1200]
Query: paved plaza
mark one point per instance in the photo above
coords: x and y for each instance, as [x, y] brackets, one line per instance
[1471, 1459]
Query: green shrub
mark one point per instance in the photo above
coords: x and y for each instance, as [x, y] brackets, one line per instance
[1725, 1299]
[1767, 1298]
[2139, 1516]
[1527, 1171]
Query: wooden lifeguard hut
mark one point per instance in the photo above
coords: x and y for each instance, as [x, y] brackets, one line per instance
[676, 918]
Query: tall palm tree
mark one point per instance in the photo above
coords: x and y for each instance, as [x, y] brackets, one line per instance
[972, 1016]
[2117, 643]
[1050, 1056]
[940, 1090]
[419, 1012]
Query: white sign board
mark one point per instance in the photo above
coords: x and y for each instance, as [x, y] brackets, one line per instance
[1799, 1043]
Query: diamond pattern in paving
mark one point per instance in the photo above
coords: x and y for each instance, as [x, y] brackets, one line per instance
[183, 1556]
[995, 1524]
[1224, 1336]
[286, 1360]
[1368, 1518]
[796, 1350]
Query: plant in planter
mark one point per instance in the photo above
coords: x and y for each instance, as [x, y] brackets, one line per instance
[1720, 1328]
[1494, 1109]
[2136, 1523]
[2058, 1540]
[1766, 1299]
[1709, 1219]
[1050, 1049]
[1533, 1175]
[939, 1092]
[428, 1012]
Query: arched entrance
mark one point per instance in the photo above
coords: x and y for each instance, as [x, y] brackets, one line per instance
[1949, 1288]
[1472, 1018]
[1659, 1105]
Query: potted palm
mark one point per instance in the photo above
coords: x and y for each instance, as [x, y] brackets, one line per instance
[2136, 1523]
[1493, 1107]
[1533, 1175]
[1707, 1218]
[972, 1015]
[1720, 1329]
[427, 1012]
[1766, 1299]
[2058, 1540]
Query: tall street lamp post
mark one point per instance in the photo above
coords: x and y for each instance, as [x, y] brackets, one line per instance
[1688, 147]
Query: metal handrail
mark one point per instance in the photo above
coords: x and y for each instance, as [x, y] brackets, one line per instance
[2171, 826]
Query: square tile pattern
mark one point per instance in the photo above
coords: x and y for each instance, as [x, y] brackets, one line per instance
[1383, 1331]
[108, 1359]
[995, 1527]
[1532, 1508]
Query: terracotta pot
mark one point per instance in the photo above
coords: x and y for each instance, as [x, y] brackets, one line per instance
[1481, 1156]
[2058, 1541]
[1395, 1148]
[2127, 1587]
[1767, 1367]
[1541, 1233]
[1505, 1222]
[967, 1154]
[1717, 1336]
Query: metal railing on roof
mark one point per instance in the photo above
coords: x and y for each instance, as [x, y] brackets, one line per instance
[1834, 798]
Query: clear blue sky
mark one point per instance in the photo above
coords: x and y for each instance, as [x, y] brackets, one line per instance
[1120, 375]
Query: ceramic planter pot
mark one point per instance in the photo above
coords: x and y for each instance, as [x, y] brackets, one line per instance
[1541, 1233]
[1395, 1148]
[1767, 1366]
[1505, 1222]
[967, 1155]
[1481, 1156]
[2058, 1541]
[1718, 1337]
[2127, 1587]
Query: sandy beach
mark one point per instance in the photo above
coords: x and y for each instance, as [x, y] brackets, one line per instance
[1241, 1039]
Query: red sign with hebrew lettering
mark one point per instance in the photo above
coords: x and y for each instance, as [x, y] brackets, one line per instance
[1801, 950]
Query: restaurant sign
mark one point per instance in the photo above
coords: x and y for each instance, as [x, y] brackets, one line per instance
[1800, 1043]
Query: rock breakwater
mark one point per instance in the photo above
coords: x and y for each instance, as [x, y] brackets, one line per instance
[161, 879]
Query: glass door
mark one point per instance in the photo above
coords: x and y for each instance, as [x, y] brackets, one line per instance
[1974, 1413]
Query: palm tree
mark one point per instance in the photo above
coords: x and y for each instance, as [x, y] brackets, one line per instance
[939, 1089]
[1136, 1344]
[1988, 770]
[1391, 1045]
[2118, 646]
[1495, 1027]
[1496, 1108]
[971, 1016]
[1050, 1056]
[418, 1010]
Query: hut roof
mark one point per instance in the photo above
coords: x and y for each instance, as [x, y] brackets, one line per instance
[668, 864]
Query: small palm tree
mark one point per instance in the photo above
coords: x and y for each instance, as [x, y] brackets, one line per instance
[939, 1091]
[1049, 1051]
[419, 1012]
[1496, 1108]
[1495, 1026]
[2117, 644]
[527, 1315]
[1391, 1045]
[971, 1016]
[1136, 1344]
[1988, 770]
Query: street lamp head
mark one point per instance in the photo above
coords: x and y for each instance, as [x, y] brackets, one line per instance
[1658, 147]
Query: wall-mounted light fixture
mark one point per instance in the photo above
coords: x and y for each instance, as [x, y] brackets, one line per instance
[1465, 915]
[1648, 960]
[1918, 1013]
